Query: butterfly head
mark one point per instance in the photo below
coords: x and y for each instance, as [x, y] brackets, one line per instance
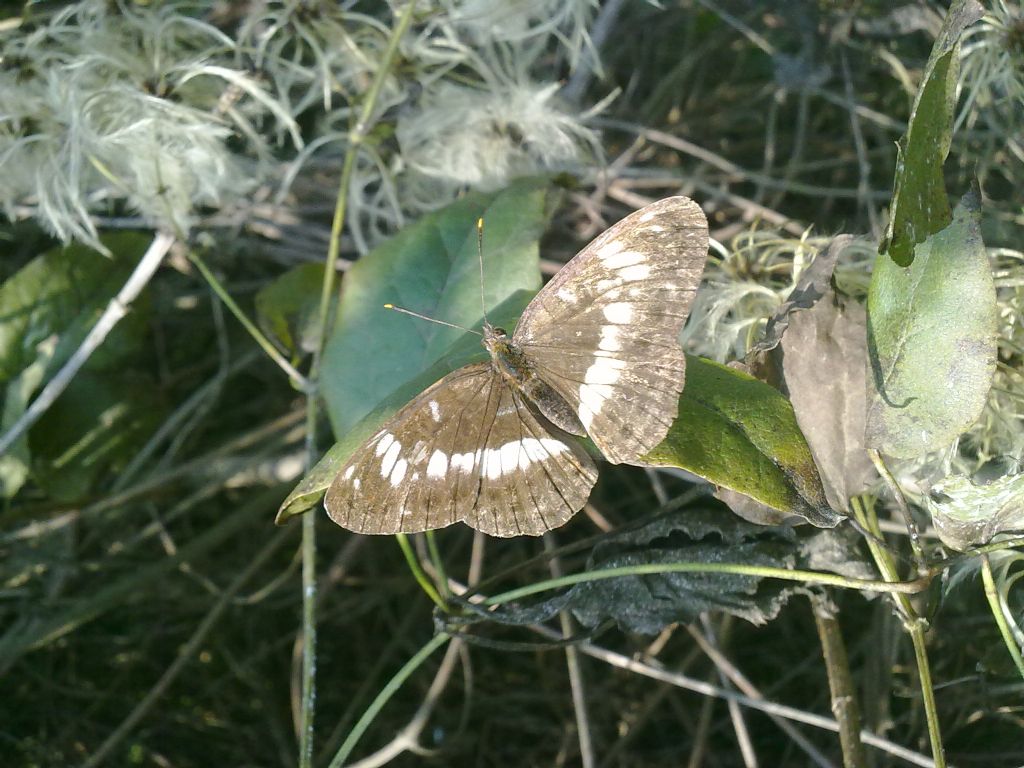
[495, 339]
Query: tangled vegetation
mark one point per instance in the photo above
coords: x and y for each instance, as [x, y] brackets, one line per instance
[188, 186]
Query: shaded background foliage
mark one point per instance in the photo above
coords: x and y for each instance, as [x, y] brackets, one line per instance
[152, 484]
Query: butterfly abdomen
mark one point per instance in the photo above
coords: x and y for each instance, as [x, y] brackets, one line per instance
[513, 366]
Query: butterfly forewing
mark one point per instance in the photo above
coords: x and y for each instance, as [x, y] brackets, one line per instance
[468, 448]
[604, 332]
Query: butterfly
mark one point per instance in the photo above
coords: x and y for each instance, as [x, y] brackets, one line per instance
[595, 353]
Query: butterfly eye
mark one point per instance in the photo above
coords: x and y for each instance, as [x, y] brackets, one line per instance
[501, 332]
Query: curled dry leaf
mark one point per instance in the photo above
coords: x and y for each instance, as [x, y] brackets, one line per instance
[812, 285]
[824, 364]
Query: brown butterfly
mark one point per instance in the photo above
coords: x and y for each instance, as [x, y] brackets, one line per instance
[595, 353]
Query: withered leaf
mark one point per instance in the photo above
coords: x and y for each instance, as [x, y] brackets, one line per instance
[812, 285]
[824, 365]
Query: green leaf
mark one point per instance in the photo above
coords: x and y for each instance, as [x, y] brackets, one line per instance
[920, 207]
[314, 484]
[95, 427]
[46, 310]
[931, 340]
[431, 267]
[61, 293]
[287, 308]
[741, 434]
[967, 514]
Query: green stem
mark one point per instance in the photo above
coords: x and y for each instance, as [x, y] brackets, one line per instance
[995, 603]
[917, 635]
[300, 381]
[438, 562]
[904, 508]
[384, 696]
[308, 696]
[739, 569]
[357, 135]
[913, 623]
[418, 573]
[356, 138]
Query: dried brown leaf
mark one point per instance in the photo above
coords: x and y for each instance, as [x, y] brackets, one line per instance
[825, 369]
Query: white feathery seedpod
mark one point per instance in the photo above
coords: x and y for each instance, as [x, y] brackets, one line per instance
[87, 122]
[742, 288]
[511, 21]
[992, 73]
[482, 138]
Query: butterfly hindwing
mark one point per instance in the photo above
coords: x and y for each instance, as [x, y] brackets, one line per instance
[531, 479]
[604, 331]
[467, 448]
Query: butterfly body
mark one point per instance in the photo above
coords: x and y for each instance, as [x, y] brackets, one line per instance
[514, 366]
[595, 353]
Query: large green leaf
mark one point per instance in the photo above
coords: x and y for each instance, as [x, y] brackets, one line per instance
[431, 267]
[931, 340]
[741, 434]
[46, 310]
[61, 293]
[920, 207]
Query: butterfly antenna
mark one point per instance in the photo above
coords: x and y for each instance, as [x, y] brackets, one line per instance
[405, 311]
[480, 260]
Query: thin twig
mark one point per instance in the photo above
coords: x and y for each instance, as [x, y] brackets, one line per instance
[844, 698]
[418, 573]
[258, 336]
[116, 309]
[737, 678]
[384, 696]
[863, 164]
[999, 612]
[707, 689]
[621, 188]
[408, 739]
[739, 725]
[730, 168]
[572, 660]
[914, 624]
[904, 507]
